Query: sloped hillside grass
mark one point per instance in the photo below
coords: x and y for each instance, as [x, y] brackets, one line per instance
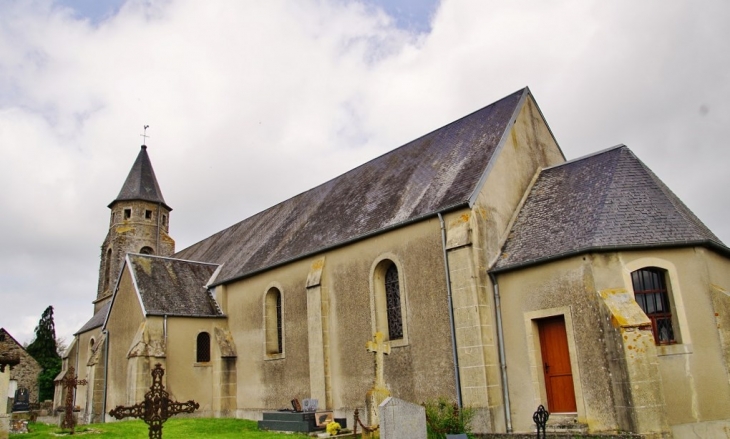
[174, 428]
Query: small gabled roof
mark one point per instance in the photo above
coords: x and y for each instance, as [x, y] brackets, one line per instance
[97, 320]
[5, 331]
[141, 183]
[440, 171]
[606, 201]
[173, 287]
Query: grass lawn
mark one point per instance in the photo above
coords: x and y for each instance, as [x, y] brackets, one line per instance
[174, 428]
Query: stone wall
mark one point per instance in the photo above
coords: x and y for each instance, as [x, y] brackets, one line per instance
[26, 373]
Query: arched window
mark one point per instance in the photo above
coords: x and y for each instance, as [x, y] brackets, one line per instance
[147, 250]
[650, 292]
[202, 348]
[273, 322]
[392, 299]
[388, 302]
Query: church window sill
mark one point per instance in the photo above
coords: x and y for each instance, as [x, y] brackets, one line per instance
[674, 349]
[203, 364]
[270, 357]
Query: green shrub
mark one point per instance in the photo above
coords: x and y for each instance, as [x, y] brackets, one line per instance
[444, 417]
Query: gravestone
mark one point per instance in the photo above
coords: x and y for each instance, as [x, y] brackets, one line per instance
[401, 419]
[310, 405]
[22, 400]
[304, 419]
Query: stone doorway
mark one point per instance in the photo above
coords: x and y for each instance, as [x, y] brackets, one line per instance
[556, 365]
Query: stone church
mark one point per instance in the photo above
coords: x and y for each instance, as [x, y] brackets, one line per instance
[502, 276]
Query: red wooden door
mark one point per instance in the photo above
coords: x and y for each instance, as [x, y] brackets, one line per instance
[556, 365]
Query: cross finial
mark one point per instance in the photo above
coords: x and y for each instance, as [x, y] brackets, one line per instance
[144, 134]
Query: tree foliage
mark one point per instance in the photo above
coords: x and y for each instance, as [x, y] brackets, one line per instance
[43, 348]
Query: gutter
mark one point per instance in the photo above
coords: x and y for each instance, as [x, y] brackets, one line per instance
[613, 248]
[197, 316]
[457, 373]
[502, 356]
[459, 205]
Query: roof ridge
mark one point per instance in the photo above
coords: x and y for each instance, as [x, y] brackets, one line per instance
[360, 166]
[433, 172]
[601, 212]
[587, 156]
[172, 259]
[678, 205]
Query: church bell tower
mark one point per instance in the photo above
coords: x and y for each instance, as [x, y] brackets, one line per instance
[139, 223]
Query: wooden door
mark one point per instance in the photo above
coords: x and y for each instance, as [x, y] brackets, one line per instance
[556, 365]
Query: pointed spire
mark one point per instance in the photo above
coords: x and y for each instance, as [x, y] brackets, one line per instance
[141, 183]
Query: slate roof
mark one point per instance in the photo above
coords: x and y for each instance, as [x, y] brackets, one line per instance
[97, 320]
[141, 183]
[434, 173]
[609, 200]
[173, 287]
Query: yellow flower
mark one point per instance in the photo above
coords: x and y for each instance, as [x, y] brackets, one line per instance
[333, 428]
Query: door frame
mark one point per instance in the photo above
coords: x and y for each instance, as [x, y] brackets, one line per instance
[535, 356]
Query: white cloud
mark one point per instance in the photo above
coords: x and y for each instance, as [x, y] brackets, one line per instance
[250, 103]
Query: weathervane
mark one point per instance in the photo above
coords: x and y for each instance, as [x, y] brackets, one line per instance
[145, 134]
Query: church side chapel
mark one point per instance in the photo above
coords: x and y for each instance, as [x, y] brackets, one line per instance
[500, 275]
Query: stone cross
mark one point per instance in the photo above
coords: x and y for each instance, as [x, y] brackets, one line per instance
[156, 407]
[380, 348]
[379, 392]
[70, 381]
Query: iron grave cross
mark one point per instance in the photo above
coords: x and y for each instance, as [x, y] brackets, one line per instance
[70, 381]
[156, 407]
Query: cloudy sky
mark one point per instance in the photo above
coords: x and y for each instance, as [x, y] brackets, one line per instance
[250, 103]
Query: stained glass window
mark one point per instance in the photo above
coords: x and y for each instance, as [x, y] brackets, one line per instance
[392, 297]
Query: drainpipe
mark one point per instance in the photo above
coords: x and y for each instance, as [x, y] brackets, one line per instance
[457, 374]
[502, 357]
[78, 348]
[106, 373]
[164, 330]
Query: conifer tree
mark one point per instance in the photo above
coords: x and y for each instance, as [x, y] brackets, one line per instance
[43, 349]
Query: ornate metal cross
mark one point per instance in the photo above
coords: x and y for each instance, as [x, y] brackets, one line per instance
[70, 381]
[156, 407]
[144, 135]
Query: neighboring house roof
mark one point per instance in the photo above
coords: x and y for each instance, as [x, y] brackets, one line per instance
[141, 183]
[6, 334]
[97, 320]
[605, 201]
[173, 287]
[434, 173]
